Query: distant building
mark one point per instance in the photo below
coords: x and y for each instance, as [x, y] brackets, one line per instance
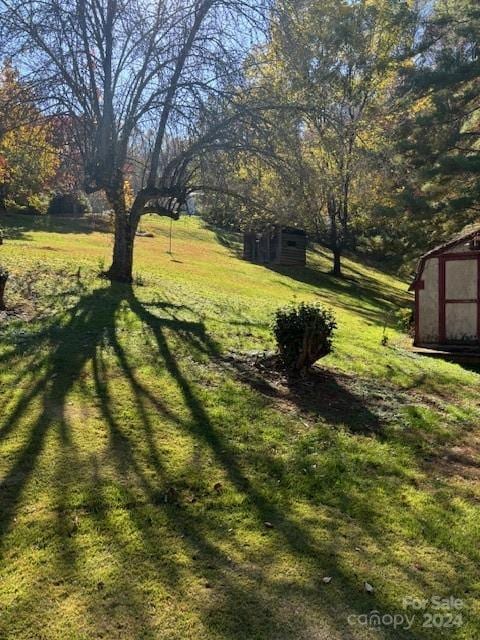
[282, 245]
[447, 292]
[190, 205]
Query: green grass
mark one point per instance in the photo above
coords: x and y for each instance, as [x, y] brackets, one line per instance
[139, 466]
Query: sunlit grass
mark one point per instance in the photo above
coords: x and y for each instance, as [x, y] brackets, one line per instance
[138, 469]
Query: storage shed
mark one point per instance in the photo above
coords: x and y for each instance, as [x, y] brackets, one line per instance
[447, 292]
[282, 246]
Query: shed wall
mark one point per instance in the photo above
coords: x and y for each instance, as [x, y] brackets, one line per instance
[461, 279]
[461, 293]
[292, 249]
[428, 304]
[461, 322]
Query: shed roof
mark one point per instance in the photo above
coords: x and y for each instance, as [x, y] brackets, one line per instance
[467, 233]
[294, 231]
[275, 229]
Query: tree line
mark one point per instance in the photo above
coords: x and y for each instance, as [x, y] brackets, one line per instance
[357, 120]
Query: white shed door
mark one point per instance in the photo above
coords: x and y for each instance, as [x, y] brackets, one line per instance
[461, 299]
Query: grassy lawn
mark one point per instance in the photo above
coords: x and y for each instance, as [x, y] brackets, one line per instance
[139, 465]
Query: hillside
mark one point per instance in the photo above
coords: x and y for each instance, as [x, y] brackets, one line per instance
[140, 457]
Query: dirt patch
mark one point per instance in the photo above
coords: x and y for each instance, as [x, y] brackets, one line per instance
[461, 460]
[335, 397]
[361, 405]
[23, 312]
[36, 293]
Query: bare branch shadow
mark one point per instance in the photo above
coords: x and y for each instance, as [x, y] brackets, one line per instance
[89, 351]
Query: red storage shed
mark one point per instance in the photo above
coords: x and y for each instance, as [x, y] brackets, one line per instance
[447, 292]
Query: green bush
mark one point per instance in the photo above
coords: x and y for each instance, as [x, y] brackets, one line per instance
[74, 204]
[304, 334]
[37, 204]
[29, 209]
[406, 320]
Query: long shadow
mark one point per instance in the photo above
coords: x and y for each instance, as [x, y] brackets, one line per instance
[71, 347]
[364, 290]
[91, 325]
[295, 537]
[231, 240]
[388, 268]
[18, 226]
[39, 414]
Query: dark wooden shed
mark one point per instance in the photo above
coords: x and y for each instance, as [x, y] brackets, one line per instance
[282, 245]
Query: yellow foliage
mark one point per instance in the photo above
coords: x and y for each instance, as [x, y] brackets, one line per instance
[422, 104]
[128, 193]
[29, 160]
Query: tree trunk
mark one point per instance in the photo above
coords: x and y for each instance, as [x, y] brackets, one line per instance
[337, 265]
[121, 269]
[335, 240]
[3, 197]
[3, 282]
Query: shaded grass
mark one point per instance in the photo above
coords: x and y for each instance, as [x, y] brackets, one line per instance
[138, 470]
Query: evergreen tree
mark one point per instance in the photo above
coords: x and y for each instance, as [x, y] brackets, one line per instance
[439, 132]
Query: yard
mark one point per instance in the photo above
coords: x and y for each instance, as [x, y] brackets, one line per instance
[153, 486]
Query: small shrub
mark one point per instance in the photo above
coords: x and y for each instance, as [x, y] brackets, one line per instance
[304, 334]
[23, 209]
[74, 204]
[37, 204]
[406, 320]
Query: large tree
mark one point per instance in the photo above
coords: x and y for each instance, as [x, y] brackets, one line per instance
[123, 69]
[439, 128]
[339, 61]
[327, 78]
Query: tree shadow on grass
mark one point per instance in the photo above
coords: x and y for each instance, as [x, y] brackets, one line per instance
[70, 347]
[39, 415]
[295, 537]
[250, 602]
[231, 240]
[319, 393]
[17, 226]
[372, 301]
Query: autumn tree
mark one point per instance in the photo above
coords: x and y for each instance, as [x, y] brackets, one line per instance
[327, 78]
[28, 159]
[256, 186]
[339, 61]
[17, 104]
